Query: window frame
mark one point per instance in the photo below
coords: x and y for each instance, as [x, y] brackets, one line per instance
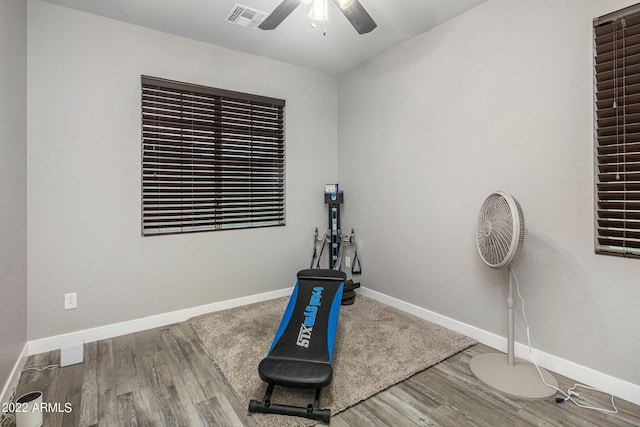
[211, 159]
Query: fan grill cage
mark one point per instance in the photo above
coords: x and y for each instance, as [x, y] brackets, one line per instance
[500, 231]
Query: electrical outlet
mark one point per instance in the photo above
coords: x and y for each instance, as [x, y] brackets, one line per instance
[70, 301]
[347, 262]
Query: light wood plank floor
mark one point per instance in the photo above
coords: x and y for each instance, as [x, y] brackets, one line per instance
[165, 377]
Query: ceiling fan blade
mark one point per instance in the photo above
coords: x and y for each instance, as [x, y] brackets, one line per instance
[279, 14]
[358, 16]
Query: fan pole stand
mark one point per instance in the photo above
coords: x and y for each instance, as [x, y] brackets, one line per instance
[509, 375]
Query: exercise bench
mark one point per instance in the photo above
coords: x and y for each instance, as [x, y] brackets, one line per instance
[301, 353]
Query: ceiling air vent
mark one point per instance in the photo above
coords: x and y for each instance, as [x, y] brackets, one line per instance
[245, 16]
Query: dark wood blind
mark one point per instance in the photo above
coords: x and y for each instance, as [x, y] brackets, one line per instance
[212, 159]
[617, 128]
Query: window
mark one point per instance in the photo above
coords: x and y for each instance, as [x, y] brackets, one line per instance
[212, 159]
[617, 132]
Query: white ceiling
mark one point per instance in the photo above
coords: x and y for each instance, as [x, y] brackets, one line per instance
[294, 41]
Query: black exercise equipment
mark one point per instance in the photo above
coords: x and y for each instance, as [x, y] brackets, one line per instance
[302, 350]
[315, 259]
[334, 197]
[356, 268]
[349, 292]
[315, 252]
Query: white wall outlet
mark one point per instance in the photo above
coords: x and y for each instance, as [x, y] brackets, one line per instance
[70, 301]
[347, 262]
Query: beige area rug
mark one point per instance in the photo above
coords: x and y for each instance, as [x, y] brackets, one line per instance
[376, 347]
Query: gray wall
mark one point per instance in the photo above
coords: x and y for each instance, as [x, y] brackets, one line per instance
[84, 174]
[13, 183]
[499, 98]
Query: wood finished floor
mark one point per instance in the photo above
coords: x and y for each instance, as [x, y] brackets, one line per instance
[165, 377]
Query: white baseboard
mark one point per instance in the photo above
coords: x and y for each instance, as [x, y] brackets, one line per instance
[608, 384]
[116, 329]
[15, 375]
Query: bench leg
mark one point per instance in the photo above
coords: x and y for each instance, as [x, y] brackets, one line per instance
[311, 411]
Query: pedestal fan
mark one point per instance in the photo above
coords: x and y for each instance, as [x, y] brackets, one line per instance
[499, 237]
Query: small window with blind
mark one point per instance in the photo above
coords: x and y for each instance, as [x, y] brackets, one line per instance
[617, 132]
[212, 159]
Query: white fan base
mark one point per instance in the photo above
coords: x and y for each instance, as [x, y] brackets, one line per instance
[520, 380]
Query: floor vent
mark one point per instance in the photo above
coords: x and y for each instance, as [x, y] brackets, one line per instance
[245, 16]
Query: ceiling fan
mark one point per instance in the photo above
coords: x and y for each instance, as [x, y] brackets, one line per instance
[351, 9]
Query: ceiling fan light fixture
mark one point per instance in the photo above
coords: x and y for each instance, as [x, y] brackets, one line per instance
[318, 10]
[353, 10]
[344, 4]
